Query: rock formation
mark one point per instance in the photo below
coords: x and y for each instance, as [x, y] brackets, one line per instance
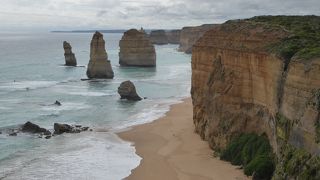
[99, 66]
[33, 128]
[136, 50]
[158, 37]
[173, 36]
[127, 90]
[239, 86]
[69, 55]
[190, 35]
[66, 128]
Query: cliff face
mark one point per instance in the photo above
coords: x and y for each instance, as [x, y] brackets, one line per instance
[189, 36]
[136, 50]
[158, 37]
[69, 55]
[238, 87]
[99, 66]
[173, 36]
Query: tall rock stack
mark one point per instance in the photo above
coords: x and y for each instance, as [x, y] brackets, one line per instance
[99, 66]
[159, 37]
[136, 50]
[69, 55]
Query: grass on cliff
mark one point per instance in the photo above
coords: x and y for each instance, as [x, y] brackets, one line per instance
[253, 152]
[304, 43]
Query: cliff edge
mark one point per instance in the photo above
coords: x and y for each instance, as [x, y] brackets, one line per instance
[262, 76]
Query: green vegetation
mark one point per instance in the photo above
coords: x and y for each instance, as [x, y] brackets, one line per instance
[297, 164]
[253, 152]
[305, 38]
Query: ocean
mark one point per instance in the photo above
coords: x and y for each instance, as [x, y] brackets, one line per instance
[32, 78]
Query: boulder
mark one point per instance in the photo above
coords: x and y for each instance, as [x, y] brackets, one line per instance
[99, 66]
[34, 128]
[69, 55]
[127, 90]
[136, 49]
[159, 37]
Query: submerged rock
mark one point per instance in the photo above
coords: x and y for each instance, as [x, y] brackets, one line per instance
[33, 128]
[99, 66]
[159, 37]
[136, 50]
[57, 103]
[127, 90]
[69, 55]
[13, 134]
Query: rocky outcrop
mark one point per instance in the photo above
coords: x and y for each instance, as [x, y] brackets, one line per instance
[127, 90]
[69, 55]
[29, 127]
[99, 66]
[66, 128]
[238, 86]
[190, 35]
[173, 36]
[136, 50]
[158, 37]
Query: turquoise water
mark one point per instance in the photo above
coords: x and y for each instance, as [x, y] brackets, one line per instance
[32, 77]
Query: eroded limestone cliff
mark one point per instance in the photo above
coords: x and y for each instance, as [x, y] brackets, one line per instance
[158, 37]
[189, 36]
[239, 86]
[173, 36]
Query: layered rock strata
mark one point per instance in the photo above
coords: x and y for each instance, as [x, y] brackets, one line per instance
[99, 66]
[158, 37]
[136, 50]
[189, 36]
[173, 36]
[239, 87]
[69, 55]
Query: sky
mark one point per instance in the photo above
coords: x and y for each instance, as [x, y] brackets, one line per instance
[47, 15]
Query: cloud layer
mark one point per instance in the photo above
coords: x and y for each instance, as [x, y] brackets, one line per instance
[113, 14]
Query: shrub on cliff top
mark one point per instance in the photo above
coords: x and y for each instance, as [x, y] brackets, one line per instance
[253, 152]
[305, 38]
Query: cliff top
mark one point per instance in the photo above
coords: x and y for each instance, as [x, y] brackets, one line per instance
[304, 39]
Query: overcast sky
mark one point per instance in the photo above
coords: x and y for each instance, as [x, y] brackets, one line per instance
[116, 14]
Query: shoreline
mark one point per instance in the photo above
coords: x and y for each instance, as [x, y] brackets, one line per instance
[170, 149]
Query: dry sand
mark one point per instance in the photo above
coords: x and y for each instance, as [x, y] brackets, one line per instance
[171, 150]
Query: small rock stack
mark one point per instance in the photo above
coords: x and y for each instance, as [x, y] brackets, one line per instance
[69, 55]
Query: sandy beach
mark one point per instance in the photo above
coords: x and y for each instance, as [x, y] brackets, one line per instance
[171, 150]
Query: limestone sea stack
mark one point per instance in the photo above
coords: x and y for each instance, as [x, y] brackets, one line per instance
[158, 37]
[190, 35]
[127, 90]
[69, 55]
[136, 50]
[173, 36]
[99, 66]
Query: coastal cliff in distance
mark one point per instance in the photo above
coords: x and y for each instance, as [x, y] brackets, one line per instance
[173, 36]
[158, 37]
[262, 76]
[190, 35]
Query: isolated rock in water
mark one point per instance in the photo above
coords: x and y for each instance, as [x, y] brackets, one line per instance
[33, 128]
[173, 36]
[127, 90]
[159, 37]
[66, 128]
[13, 134]
[69, 55]
[99, 66]
[136, 50]
[57, 103]
[62, 128]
